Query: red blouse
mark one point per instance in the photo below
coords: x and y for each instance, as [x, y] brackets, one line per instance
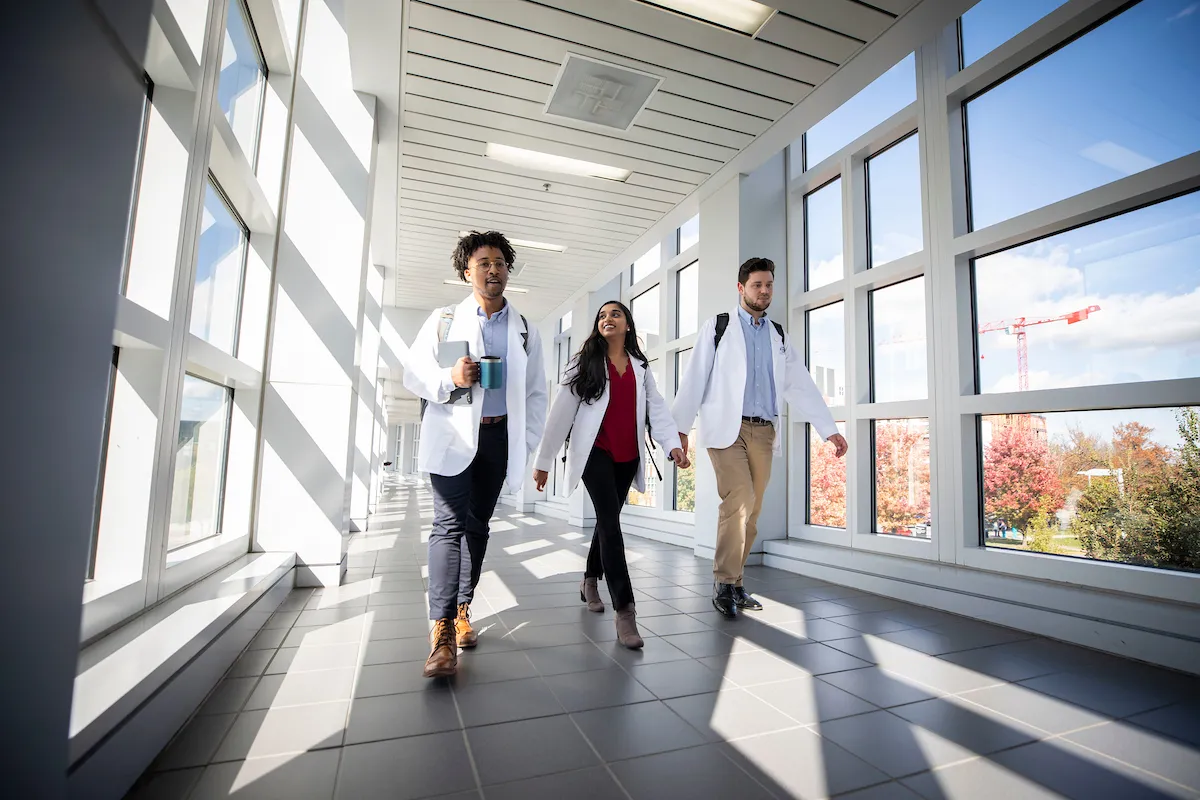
[618, 431]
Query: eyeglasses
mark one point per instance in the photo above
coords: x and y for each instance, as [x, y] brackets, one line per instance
[500, 265]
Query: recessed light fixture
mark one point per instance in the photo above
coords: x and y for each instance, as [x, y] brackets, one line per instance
[744, 16]
[453, 282]
[552, 248]
[532, 159]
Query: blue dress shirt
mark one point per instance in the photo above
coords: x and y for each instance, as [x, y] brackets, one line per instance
[495, 343]
[759, 397]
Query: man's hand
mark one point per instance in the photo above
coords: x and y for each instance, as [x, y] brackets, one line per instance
[839, 442]
[465, 373]
[540, 476]
[680, 458]
[683, 441]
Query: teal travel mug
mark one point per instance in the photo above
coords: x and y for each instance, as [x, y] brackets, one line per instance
[491, 372]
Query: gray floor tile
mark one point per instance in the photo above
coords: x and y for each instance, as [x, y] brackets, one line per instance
[807, 700]
[1034, 708]
[174, 785]
[730, 714]
[399, 715]
[657, 651]
[300, 688]
[392, 679]
[396, 651]
[820, 659]
[1007, 662]
[280, 731]
[1075, 772]
[876, 622]
[884, 791]
[677, 678]
[329, 616]
[707, 643]
[1106, 694]
[195, 745]
[508, 701]
[518, 750]
[689, 605]
[569, 658]
[529, 637]
[306, 776]
[589, 784]
[696, 772]
[229, 697]
[824, 609]
[673, 624]
[250, 664]
[307, 659]
[884, 689]
[268, 639]
[819, 630]
[583, 691]
[980, 779]
[348, 632]
[799, 763]
[637, 730]
[398, 629]
[1143, 749]
[476, 668]
[282, 619]
[402, 769]
[974, 727]
[895, 746]
[1180, 721]
[750, 669]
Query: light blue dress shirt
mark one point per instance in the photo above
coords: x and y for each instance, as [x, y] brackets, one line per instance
[495, 343]
[759, 397]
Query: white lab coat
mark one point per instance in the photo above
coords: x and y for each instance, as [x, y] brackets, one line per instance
[569, 415]
[715, 385]
[450, 433]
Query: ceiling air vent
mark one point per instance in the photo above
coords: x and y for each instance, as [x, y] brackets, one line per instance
[600, 94]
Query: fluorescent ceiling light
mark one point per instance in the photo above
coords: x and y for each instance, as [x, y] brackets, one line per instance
[453, 282]
[553, 248]
[745, 16]
[546, 162]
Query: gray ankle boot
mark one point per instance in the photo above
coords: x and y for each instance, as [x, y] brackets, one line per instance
[589, 594]
[627, 632]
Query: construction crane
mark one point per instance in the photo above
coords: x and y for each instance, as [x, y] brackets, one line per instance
[1016, 327]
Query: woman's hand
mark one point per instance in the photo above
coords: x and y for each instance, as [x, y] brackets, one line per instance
[540, 476]
[680, 458]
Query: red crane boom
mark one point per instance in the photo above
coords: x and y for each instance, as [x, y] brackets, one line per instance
[1017, 327]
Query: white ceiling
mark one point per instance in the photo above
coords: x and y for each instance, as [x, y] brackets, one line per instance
[479, 71]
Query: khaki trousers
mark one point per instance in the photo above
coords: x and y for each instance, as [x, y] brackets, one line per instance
[743, 472]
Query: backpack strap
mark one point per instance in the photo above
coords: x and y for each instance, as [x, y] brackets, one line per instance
[443, 330]
[779, 328]
[525, 334]
[722, 324]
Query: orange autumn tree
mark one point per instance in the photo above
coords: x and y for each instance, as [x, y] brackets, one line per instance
[827, 485]
[1019, 478]
[901, 474]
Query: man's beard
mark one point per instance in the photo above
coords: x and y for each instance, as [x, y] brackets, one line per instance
[492, 290]
[756, 307]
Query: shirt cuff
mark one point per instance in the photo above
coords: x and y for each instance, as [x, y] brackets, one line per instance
[447, 388]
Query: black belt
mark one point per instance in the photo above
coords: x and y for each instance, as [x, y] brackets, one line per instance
[758, 421]
[493, 420]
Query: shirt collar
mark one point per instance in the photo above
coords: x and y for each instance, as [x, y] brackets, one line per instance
[499, 315]
[746, 317]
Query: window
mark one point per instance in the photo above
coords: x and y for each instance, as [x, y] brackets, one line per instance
[826, 481]
[991, 23]
[894, 225]
[649, 498]
[902, 505]
[108, 413]
[685, 479]
[1111, 302]
[689, 233]
[220, 266]
[564, 324]
[644, 266]
[823, 236]
[1080, 118]
[898, 342]
[199, 485]
[139, 168]
[416, 448]
[827, 351]
[687, 302]
[645, 310]
[1105, 485]
[243, 78]
[888, 94]
[565, 354]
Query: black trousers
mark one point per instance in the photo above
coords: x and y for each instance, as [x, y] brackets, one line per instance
[608, 483]
[462, 508]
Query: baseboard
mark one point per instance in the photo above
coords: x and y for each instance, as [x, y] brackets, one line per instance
[320, 576]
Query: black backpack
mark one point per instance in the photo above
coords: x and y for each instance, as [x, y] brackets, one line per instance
[723, 323]
[444, 323]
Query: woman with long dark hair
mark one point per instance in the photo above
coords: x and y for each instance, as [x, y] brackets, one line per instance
[607, 403]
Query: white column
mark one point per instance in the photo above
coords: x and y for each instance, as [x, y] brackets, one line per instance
[312, 401]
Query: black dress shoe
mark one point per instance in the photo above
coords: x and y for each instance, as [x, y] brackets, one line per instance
[723, 600]
[745, 600]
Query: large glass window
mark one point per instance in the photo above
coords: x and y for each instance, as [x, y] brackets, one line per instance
[1081, 118]
[823, 236]
[894, 225]
[887, 95]
[898, 349]
[645, 266]
[685, 479]
[827, 351]
[1107, 485]
[687, 306]
[1111, 302]
[645, 308]
[689, 233]
[649, 498]
[200, 462]
[826, 481]
[220, 265]
[990, 23]
[902, 504]
[243, 79]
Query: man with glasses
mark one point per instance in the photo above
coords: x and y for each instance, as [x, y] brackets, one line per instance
[476, 435]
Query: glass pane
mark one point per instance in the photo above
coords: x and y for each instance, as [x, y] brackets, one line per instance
[888, 94]
[685, 479]
[220, 259]
[199, 462]
[1107, 485]
[827, 351]
[243, 78]
[689, 299]
[826, 481]
[1081, 118]
[823, 236]
[649, 498]
[645, 265]
[898, 342]
[1111, 302]
[689, 233]
[991, 23]
[646, 318]
[564, 324]
[902, 477]
[894, 224]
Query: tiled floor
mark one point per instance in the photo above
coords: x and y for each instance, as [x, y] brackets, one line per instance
[827, 692]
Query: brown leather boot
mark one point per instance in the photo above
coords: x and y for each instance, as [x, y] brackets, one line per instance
[443, 660]
[590, 594]
[627, 632]
[462, 627]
